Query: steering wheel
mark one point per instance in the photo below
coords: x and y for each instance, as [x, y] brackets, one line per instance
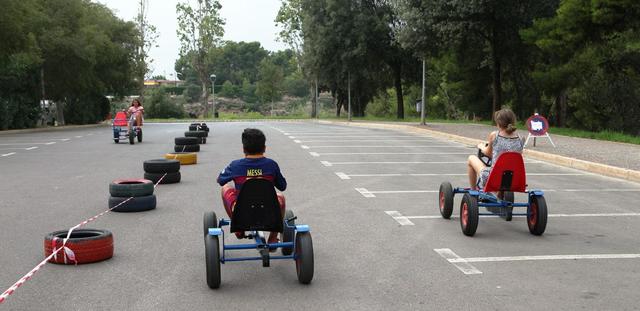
[484, 158]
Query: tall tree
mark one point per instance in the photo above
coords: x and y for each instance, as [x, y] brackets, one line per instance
[147, 36]
[200, 30]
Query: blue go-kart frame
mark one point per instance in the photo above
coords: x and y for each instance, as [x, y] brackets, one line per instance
[506, 177]
[121, 125]
[259, 209]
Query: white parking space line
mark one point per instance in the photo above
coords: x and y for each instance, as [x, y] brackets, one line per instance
[550, 215]
[357, 136]
[348, 176]
[403, 221]
[457, 261]
[50, 143]
[544, 190]
[7, 154]
[393, 162]
[20, 144]
[296, 141]
[362, 140]
[391, 146]
[315, 154]
[343, 175]
[304, 147]
[31, 148]
[392, 153]
[78, 136]
[326, 163]
[365, 193]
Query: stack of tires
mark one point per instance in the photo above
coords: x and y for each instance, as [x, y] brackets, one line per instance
[187, 144]
[164, 171]
[198, 130]
[131, 195]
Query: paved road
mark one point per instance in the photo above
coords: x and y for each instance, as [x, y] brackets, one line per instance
[365, 258]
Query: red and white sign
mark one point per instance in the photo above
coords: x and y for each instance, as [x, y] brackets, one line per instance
[537, 125]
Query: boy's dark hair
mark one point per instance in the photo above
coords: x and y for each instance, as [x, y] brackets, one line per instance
[253, 141]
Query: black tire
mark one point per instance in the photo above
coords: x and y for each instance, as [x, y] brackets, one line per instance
[187, 140]
[198, 127]
[132, 136]
[135, 204]
[171, 178]
[203, 140]
[88, 245]
[509, 197]
[288, 234]
[195, 134]
[446, 200]
[116, 140]
[304, 257]
[139, 134]
[161, 166]
[212, 259]
[209, 220]
[537, 215]
[469, 214]
[186, 148]
[130, 188]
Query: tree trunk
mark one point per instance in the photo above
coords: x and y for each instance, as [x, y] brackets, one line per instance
[397, 72]
[60, 112]
[497, 74]
[314, 101]
[339, 104]
[561, 109]
[205, 98]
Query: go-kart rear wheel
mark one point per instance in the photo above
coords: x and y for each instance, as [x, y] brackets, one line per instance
[537, 215]
[132, 136]
[139, 134]
[304, 257]
[116, 140]
[212, 258]
[446, 200]
[288, 234]
[469, 214]
[209, 221]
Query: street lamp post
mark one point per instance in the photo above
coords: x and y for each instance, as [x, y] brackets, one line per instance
[213, 92]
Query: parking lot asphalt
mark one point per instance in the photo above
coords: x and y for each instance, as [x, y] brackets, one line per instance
[370, 198]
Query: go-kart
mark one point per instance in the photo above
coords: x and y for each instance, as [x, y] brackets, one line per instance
[506, 177]
[257, 210]
[121, 127]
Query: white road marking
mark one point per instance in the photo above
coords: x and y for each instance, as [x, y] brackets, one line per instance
[550, 215]
[292, 137]
[342, 175]
[403, 221]
[365, 193]
[66, 139]
[547, 257]
[415, 162]
[19, 144]
[544, 190]
[296, 141]
[457, 261]
[390, 146]
[361, 140]
[78, 136]
[8, 154]
[425, 174]
[304, 147]
[286, 134]
[14, 148]
[31, 148]
[326, 163]
[359, 136]
[89, 134]
[315, 154]
[50, 143]
[391, 153]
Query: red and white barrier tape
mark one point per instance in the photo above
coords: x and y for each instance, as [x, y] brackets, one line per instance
[67, 252]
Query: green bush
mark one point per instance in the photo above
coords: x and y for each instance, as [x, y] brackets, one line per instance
[160, 105]
[229, 90]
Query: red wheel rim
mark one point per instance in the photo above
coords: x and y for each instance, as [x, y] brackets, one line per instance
[441, 201]
[533, 214]
[465, 214]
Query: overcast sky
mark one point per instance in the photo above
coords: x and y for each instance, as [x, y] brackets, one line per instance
[247, 20]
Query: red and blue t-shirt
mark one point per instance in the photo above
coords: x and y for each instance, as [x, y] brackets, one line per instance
[241, 170]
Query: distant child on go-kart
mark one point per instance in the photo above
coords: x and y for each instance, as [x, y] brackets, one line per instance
[253, 165]
[136, 110]
[503, 140]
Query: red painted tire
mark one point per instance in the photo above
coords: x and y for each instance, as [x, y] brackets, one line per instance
[88, 245]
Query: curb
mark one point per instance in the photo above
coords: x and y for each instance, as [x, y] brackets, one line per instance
[592, 167]
[53, 128]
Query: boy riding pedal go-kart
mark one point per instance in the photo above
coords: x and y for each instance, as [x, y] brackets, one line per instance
[254, 207]
[492, 185]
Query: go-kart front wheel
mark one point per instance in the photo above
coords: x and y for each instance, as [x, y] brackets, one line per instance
[304, 257]
[537, 215]
[139, 134]
[469, 214]
[210, 220]
[132, 136]
[446, 200]
[212, 258]
[288, 234]
[116, 140]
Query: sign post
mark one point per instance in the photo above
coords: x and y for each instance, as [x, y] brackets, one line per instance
[538, 126]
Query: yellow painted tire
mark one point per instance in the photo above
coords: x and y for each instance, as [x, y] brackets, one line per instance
[185, 158]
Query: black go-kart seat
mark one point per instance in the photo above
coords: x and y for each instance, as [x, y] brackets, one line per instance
[257, 208]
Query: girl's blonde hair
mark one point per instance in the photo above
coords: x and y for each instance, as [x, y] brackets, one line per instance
[506, 120]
